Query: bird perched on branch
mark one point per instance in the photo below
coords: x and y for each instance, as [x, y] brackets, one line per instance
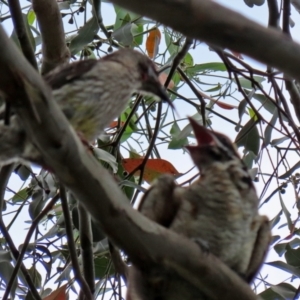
[219, 211]
[91, 93]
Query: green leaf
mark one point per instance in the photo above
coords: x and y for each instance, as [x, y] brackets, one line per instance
[282, 291]
[31, 17]
[252, 114]
[176, 79]
[214, 89]
[276, 142]
[285, 290]
[37, 204]
[286, 212]
[28, 32]
[188, 60]
[242, 108]
[248, 159]
[124, 35]
[36, 276]
[6, 270]
[101, 266]
[5, 256]
[204, 68]
[131, 127]
[265, 101]
[280, 248]
[20, 196]
[275, 220]
[251, 3]
[105, 156]
[123, 16]
[173, 49]
[64, 5]
[249, 137]
[177, 142]
[269, 294]
[274, 239]
[292, 256]
[269, 128]
[284, 267]
[23, 171]
[128, 190]
[84, 36]
[247, 84]
[136, 30]
[290, 171]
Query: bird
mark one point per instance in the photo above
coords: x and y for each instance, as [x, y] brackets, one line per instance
[218, 211]
[91, 93]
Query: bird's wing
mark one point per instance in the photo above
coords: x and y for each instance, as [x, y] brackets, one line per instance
[67, 73]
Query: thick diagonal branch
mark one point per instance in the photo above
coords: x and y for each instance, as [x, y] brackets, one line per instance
[146, 243]
[210, 22]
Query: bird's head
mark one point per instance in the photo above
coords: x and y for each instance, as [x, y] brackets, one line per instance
[146, 74]
[212, 147]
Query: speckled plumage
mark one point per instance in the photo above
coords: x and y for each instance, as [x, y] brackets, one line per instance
[92, 93]
[219, 211]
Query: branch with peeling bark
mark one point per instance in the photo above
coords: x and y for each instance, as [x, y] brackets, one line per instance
[210, 22]
[145, 242]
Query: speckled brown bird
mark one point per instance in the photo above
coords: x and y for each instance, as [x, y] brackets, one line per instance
[91, 93]
[219, 211]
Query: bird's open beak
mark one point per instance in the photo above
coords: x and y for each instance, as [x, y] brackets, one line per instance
[202, 135]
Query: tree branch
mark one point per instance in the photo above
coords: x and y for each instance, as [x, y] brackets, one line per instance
[210, 22]
[19, 26]
[71, 245]
[4, 177]
[148, 244]
[55, 50]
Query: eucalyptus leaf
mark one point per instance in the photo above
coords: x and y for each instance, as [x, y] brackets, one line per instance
[173, 49]
[14, 36]
[284, 267]
[248, 84]
[107, 157]
[37, 204]
[285, 290]
[278, 141]
[292, 257]
[124, 35]
[290, 171]
[207, 67]
[84, 36]
[249, 137]
[176, 142]
[269, 128]
[269, 294]
[6, 270]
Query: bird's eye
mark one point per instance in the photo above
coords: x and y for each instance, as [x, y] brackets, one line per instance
[215, 153]
[145, 76]
[147, 71]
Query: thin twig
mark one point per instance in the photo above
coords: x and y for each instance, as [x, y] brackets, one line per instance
[31, 230]
[4, 177]
[71, 244]
[86, 243]
[19, 26]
